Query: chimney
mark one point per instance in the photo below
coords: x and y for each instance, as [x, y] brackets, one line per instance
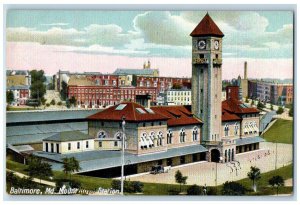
[245, 71]
[232, 92]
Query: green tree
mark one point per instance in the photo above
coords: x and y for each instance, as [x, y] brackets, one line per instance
[64, 90]
[260, 105]
[291, 112]
[37, 88]
[276, 181]
[252, 102]
[180, 179]
[52, 102]
[279, 111]
[70, 165]
[272, 108]
[9, 97]
[254, 175]
[39, 169]
[10, 178]
[233, 188]
[194, 190]
[73, 101]
[247, 100]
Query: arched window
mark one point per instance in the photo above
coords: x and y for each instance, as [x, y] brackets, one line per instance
[144, 141]
[151, 139]
[255, 127]
[232, 154]
[195, 134]
[102, 134]
[159, 140]
[169, 137]
[226, 129]
[225, 155]
[182, 135]
[236, 128]
[229, 155]
[246, 131]
[250, 128]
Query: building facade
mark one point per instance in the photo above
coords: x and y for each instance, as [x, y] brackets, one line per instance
[178, 97]
[19, 82]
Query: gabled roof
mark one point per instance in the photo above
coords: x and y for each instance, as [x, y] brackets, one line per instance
[68, 136]
[178, 115]
[227, 116]
[207, 27]
[133, 112]
[237, 107]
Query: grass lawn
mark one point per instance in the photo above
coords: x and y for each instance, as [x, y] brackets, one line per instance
[20, 108]
[281, 132]
[263, 183]
[93, 183]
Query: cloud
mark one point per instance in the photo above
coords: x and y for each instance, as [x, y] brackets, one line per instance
[163, 28]
[55, 24]
[162, 33]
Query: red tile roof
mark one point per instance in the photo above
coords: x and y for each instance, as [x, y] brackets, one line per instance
[237, 107]
[207, 27]
[227, 116]
[178, 115]
[129, 112]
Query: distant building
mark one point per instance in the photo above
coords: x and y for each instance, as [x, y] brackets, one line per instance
[146, 71]
[275, 92]
[178, 96]
[161, 84]
[102, 91]
[19, 83]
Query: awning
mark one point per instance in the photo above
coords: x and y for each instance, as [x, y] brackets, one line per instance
[248, 140]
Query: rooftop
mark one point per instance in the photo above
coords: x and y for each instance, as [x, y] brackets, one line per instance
[68, 136]
[15, 80]
[133, 112]
[42, 115]
[133, 71]
[207, 27]
[96, 160]
[237, 107]
[178, 115]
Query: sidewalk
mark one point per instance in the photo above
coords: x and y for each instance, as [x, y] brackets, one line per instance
[45, 182]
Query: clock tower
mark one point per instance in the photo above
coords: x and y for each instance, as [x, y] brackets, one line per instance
[207, 80]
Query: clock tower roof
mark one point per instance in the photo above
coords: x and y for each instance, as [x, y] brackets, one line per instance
[207, 27]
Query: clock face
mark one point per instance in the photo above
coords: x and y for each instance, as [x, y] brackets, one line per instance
[216, 43]
[201, 44]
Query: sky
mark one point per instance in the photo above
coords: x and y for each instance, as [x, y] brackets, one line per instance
[82, 40]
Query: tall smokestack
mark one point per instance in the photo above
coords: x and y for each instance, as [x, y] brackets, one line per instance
[245, 70]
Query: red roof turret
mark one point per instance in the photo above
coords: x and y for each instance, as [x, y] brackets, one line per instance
[207, 27]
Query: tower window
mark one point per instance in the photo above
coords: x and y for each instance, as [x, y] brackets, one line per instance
[201, 90]
[201, 70]
[217, 56]
[201, 55]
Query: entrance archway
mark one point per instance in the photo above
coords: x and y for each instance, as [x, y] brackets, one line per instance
[215, 155]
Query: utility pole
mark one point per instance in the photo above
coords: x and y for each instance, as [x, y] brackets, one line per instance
[122, 155]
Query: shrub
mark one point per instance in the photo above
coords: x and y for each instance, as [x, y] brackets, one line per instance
[233, 188]
[173, 192]
[194, 190]
[59, 183]
[59, 103]
[137, 186]
[212, 191]
[280, 110]
[129, 187]
[47, 104]
[291, 112]
[52, 102]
